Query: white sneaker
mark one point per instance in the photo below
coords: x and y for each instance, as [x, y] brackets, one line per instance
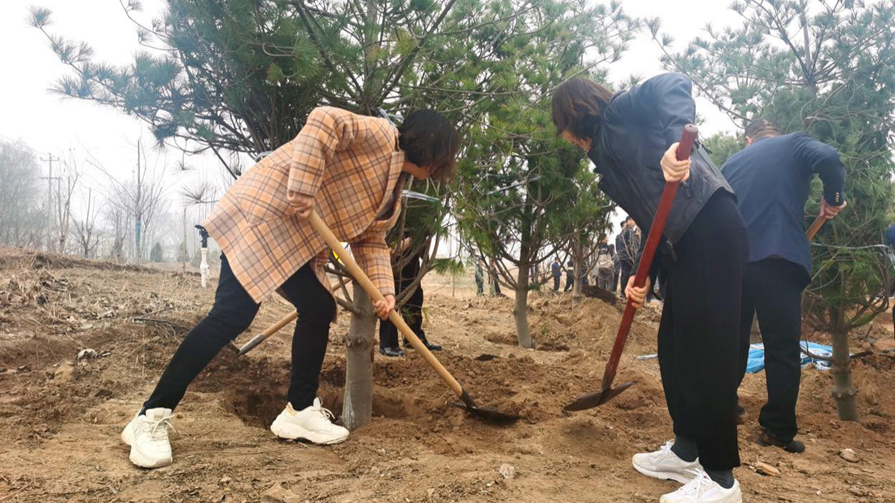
[313, 424]
[703, 489]
[665, 465]
[148, 437]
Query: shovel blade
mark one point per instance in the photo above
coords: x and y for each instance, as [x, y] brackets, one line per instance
[591, 400]
[485, 412]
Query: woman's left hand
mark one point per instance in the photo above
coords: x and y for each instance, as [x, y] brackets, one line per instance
[383, 307]
[673, 169]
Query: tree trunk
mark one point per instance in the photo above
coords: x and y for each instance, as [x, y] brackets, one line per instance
[520, 309]
[357, 408]
[844, 391]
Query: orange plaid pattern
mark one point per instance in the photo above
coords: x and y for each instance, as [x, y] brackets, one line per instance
[349, 163]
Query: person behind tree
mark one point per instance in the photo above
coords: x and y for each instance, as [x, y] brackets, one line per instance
[493, 280]
[772, 178]
[351, 170]
[605, 266]
[628, 246]
[616, 262]
[479, 279]
[631, 137]
[556, 271]
[413, 308]
[570, 276]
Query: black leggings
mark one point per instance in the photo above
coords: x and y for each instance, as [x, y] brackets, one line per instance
[699, 331]
[232, 313]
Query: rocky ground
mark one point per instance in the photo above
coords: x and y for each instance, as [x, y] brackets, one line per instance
[62, 415]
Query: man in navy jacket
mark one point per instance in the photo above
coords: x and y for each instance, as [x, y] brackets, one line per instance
[772, 179]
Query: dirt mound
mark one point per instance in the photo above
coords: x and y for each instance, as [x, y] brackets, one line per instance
[565, 323]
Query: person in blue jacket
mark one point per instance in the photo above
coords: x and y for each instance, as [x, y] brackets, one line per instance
[556, 271]
[631, 138]
[772, 180]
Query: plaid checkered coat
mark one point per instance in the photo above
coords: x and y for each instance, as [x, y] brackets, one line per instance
[350, 164]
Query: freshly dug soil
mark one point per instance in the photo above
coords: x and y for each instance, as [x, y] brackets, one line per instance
[61, 417]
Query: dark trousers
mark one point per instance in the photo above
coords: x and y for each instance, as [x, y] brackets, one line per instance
[556, 280]
[625, 270]
[570, 280]
[616, 271]
[604, 278]
[772, 288]
[232, 313]
[413, 315]
[699, 331]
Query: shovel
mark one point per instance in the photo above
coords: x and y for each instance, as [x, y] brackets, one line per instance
[607, 392]
[815, 227]
[361, 278]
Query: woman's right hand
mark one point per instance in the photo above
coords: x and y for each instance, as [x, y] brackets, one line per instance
[674, 170]
[637, 296]
[301, 205]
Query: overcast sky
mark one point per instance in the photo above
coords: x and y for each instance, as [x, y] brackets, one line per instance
[47, 123]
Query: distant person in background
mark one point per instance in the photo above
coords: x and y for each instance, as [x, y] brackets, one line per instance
[616, 260]
[413, 308]
[556, 271]
[630, 246]
[479, 279]
[570, 276]
[605, 265]
[772, 179]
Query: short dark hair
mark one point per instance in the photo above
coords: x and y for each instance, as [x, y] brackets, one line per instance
[577, 107]
[761, 128]
[629, 218]
[430, 141]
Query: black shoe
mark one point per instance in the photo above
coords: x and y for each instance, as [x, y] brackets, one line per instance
[391, 352]
[429, 345]
[769, 440]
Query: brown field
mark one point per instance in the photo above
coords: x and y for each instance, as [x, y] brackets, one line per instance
[61, 417]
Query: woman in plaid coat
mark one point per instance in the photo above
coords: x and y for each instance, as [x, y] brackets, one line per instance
[350, 169]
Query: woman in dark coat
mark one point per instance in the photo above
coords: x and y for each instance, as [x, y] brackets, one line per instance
[631, 137]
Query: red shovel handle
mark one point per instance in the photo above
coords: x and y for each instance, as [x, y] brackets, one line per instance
[649, 252]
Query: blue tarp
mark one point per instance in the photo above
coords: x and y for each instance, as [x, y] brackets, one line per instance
[756, 356]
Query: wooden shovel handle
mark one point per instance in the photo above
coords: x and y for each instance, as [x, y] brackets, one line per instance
[649, 252]
[815, 227]
[320, 226]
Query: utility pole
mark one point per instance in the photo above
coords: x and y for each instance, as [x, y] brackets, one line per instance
[49, 180]
[138, 208]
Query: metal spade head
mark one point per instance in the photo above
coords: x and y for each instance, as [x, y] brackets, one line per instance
[591, 400]
[485, 413]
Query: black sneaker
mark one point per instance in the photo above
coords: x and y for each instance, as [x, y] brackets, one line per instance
[429, 345]
[391, 352]
[769, 440]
